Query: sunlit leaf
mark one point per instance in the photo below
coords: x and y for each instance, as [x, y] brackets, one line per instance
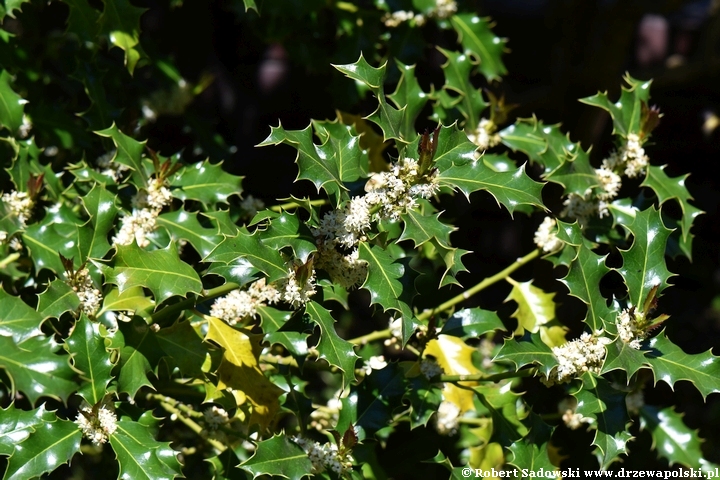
[331, 347]
[89, 355]
[140, 456]
[278, 456]
[17, 319]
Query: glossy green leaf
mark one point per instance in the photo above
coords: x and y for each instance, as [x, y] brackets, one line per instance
[506, 411]
[671, 364]
[457, 79]
[531, 453]
[47, 240]
[286, 230]
[376, 397]
[627, 111]
[129, 151]
[453, 148]
[185, 225]
[453, 263]
[535, 307]
[314, 163]
[576, 175]
[250, 5]
[49, 446]
[16, 425]
[422, 228]
[11, 104]
[477, 39]
[472, 323]
[36, 370]
[89, 355]
[599, 401]
[424, 399]
[511, 189]
[341, 143]
[120, 21]
[672, 439]
[132, 300]
[100, 206]
[161, 271]
[332, 348]
[10, 7]
[528, 350]
[140, 353]
[245, 248]
[82, 20]
[621, 356]
[667, 188]
[644, 262]
[17, 319]
[205, 182]
[278, 456]
[140, 456]
[583, 281]
[410, 95]
[184, 347]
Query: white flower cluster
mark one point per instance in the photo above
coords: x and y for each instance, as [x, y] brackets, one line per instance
[586, 354]
[631, 157]
[90, 297]
[484, 135]
[215, 418]
[97, 428]
[325, 417]
[445, 8]
[374, 363]
[110, 168]
[546, 237]
[294, 293]
[240, 304]
[572, 420]
[447, 418]
[25, 127]
[250, 206]
[19, 204]
[325, 456]
[395, 19]
[430, 368]
[630, 328]
[147, 206]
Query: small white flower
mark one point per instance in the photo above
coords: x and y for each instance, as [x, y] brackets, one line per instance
[546, 236]
[325, 456]
[19, 204]
[294, 293]
[630, 328]
[374, 363]
[215, 418]
[240, 304]
[484, 135]
[430, 368]
[448, 418]
[97, 428]
[577, 357]
[90, 297]
[610, 182]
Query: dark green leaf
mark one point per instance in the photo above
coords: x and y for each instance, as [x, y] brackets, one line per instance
[120, 21]
[246, 250]
[185, 225]
[286, 230]
[422, 228]
[332, 348]
[621, 356]
[129, 150]
[139, 355]
[36, 370]
[410, 95]
[341, 143]
[278, 456]
[576, 175]
[100, 206]
[478, 40]
[583, 281]
[531, 452]
[87, 347]
[16, 425]
[11, 105]
[140, 456]
[472, 322]
[184, 347]
[424, 398]
[376, 397]
[457, 79]
[17, 319]
[205, 182]
[45, 240]
[161, 271]
[132, 300]
[528, 350]
[82, 20]
[627, 111]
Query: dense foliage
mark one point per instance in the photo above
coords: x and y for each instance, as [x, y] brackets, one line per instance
[161, 323]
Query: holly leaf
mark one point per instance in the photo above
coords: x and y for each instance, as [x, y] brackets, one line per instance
[17, 319]
[82, 20]
[472, 323]
[531, 453]
[139, 355]
[644, 262]
[11, 104]
[49, 446]
[286, 230]
[455, 358]
[424, 398]
[185, 225]
[205, 182]
[528, 350]
[16, 425]
[240, 370]
[244, 249]
[100, 207]
[671, 364]
[86, 345]
[621, 356]
[511, 189]
[422, 228]
[140, 456]
[606, 406]
[627, 111]
[120, 21]
[535, 307]
[340, 142]
[477, 39]
[583, 281]
[36, 370]
[331, 347]
[161, 271]
[370, 404]
[576, 174]
[313, 161]
[667, 188]
[453, 263]
[184, 347]
[453, 148]
[672, 439]
[471, 103]
[278, 456]
[46, 240]
[410, 95]
[129, 151]
[132, 300]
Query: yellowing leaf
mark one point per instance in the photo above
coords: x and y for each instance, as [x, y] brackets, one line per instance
[536, 312]
[239, 370]
[487, 457]
[455, 358]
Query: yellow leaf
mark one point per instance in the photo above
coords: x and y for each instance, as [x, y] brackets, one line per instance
[455, 358]
[536, 312]
[487, 457]
[239, 370]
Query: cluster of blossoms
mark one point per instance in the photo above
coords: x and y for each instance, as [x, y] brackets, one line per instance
[147, 205]
[215, 418]
[374, 363]
[484, 136]
[240, 304]
[19, 204]
[631, 158]
[546, 236]
[97, 427]
[443, 9]
[325, 456]
[447, 418]
[109, 168]
[325, 417]
[90, 297]
[292, 292]
[586, 354]
[572, 419]
[430, 368]
[630, 325]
